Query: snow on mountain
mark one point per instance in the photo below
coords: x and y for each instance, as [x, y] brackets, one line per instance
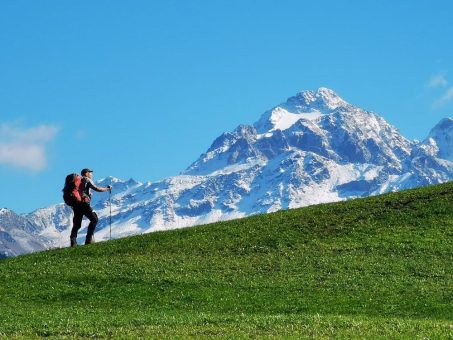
[313, 148]
[18, 235]
[308, 105]
[441, 137]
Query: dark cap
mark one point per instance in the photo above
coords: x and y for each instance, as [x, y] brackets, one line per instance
[84, 171]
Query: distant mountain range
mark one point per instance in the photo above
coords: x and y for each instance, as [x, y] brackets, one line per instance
[314, 148]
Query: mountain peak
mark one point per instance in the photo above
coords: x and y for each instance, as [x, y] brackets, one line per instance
[323, 98]
[445, 124]
[3, 211]
[330, 97]
[305, 105]
[442, 134]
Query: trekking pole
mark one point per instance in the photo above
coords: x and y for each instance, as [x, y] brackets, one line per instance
[110, 203]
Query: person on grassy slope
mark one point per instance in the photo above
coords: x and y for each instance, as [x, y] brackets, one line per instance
[83, 208]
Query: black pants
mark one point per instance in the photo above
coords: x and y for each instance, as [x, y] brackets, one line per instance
[80, 210]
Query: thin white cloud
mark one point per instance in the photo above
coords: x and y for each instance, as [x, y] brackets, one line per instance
[81, 134]
[448, 95]
[445, 99]
[25, 147]
[440, 85]
[438, 80]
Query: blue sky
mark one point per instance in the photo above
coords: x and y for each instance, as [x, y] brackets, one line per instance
[141, 88]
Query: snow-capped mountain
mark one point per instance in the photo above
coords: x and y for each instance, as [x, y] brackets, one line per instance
[18, 235]
[313, 148]
[441, 138]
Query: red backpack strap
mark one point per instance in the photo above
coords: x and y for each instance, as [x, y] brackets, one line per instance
[76, 195]
[75, 191]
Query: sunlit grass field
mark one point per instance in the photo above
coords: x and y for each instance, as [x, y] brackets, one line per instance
[367, 268]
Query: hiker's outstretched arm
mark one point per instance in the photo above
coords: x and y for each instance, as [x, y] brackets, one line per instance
[99, 189]
[93, 186]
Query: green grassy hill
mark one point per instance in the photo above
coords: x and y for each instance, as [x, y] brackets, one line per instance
[374, 267]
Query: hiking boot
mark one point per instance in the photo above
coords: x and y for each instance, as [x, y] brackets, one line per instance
[89, 239]
[73, 242]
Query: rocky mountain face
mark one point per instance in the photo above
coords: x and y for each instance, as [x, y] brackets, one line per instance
[440, 139]
[314, 148]
[19, 235]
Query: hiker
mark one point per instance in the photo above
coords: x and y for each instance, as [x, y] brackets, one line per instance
[83, 207]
